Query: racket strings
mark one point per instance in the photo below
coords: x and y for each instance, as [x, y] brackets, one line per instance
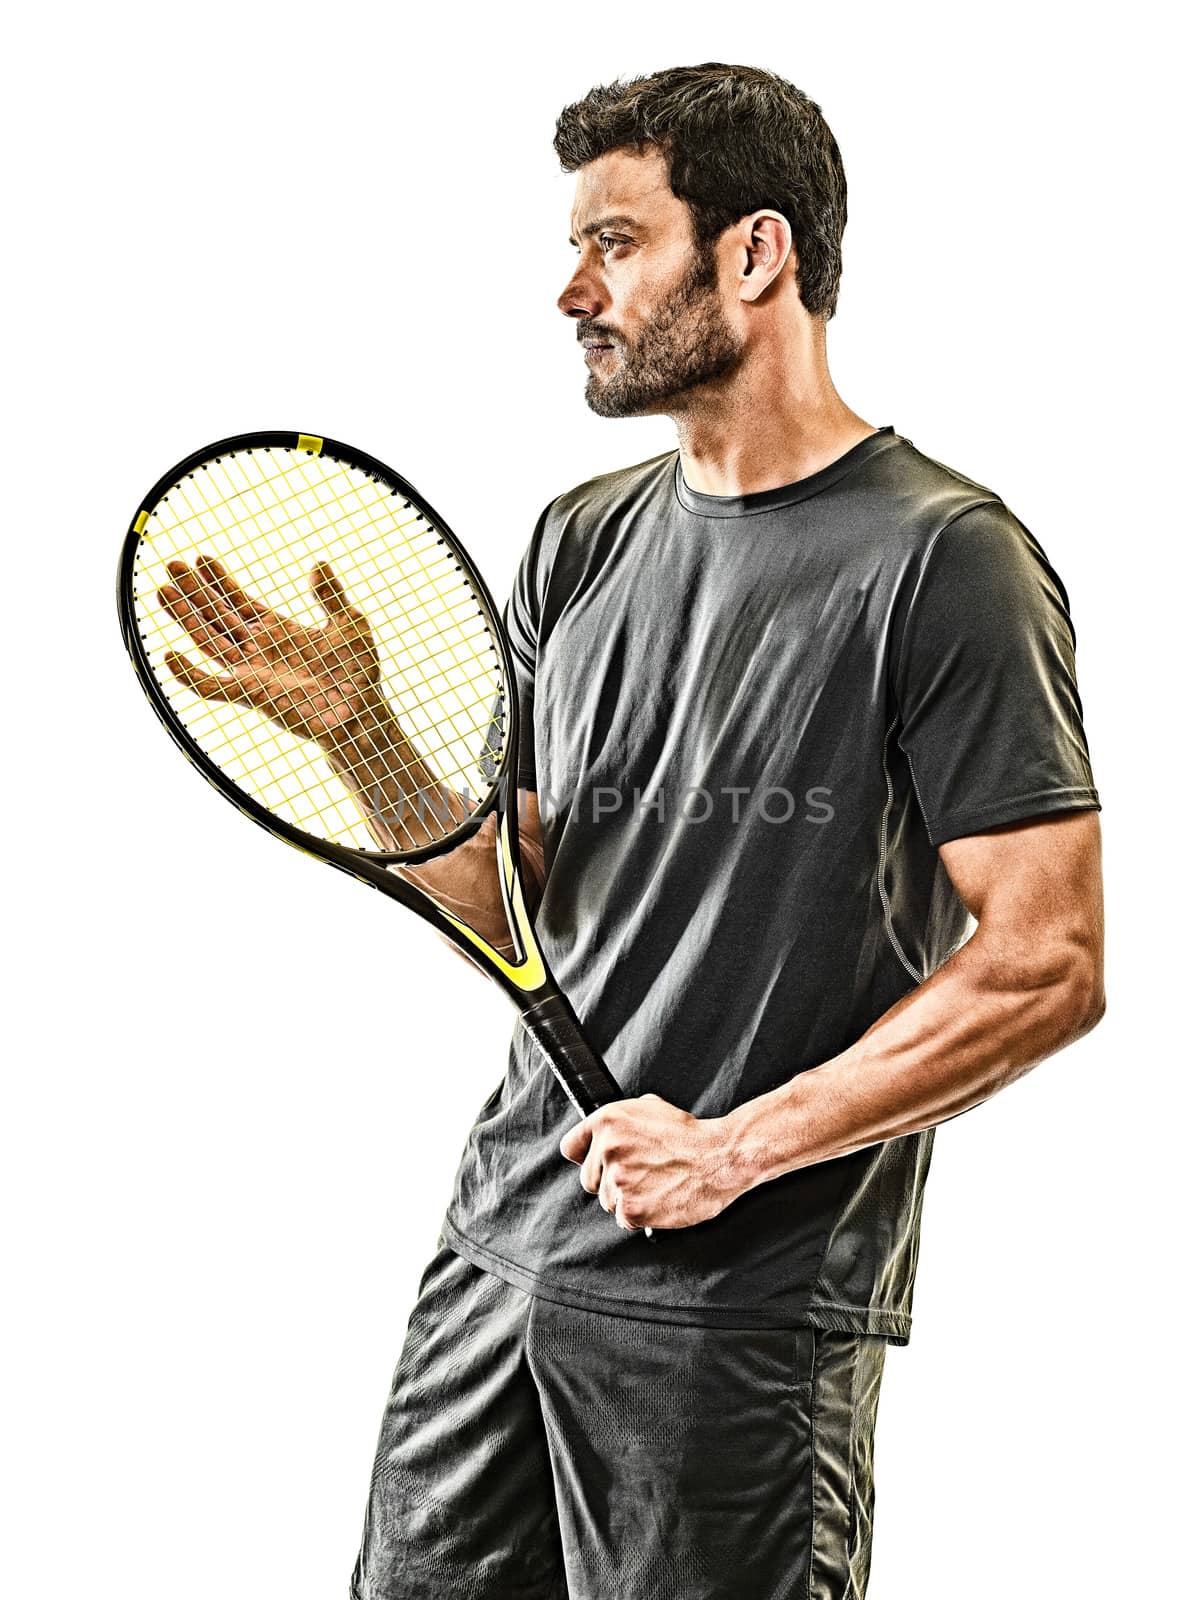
[399, 631]
[418, 603]
[431, 615]
[421, 788]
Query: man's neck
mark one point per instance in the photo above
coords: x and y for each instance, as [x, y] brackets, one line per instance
[775, 420]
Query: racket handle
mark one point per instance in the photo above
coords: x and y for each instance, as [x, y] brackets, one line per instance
[555, 1030]
[588, 1083]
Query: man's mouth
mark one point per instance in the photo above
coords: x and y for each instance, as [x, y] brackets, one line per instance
[594, 347]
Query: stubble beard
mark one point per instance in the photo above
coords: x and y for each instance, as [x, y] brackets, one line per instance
[684, 343]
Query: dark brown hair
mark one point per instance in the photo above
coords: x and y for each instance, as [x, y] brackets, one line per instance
[735, 140]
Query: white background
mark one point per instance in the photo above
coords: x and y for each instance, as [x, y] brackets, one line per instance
[238, 1082]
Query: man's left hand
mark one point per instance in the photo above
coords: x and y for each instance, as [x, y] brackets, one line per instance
[653, 1165]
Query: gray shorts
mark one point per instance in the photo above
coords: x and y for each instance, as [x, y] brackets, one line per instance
[530, 1451]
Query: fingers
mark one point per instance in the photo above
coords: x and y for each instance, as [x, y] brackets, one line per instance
[203, 594]
[609, 1194]
[206, 684]
[246, 638]
[189, 615]
[198, 603]
[347, 630]
[600, 1170]
[592, 1170]
[327, 587]
[575, 1143]
[231, 592]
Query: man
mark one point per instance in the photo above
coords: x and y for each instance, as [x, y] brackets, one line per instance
[798, 701]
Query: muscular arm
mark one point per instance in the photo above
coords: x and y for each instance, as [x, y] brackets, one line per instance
[1029, 981]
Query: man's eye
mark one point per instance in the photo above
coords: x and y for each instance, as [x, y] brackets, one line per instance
[608, 242]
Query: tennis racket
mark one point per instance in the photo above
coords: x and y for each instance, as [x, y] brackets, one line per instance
[320, 646]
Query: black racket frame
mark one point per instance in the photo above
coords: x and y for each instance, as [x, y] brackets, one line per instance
[543, 1007]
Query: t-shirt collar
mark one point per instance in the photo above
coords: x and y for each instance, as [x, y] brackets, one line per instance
[745, 505]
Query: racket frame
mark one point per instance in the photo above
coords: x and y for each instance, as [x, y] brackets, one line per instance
[526, 979]
[545, 1011]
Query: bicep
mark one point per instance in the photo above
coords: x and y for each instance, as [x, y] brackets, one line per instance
[1035, 888]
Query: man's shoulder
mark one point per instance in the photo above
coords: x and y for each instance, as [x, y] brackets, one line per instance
[576, 523]
[616, 488]
[926, 494]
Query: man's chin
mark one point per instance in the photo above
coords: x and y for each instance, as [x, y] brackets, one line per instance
[606, 401]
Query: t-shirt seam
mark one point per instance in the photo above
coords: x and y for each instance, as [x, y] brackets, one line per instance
[545, 523]
[974, 505]
[850, 1179]
[552, 1283]
[870, 1309]
[953, 472]
[779, 505]
[527, 771]
[989, 499]
[885, 898]
[966, 813]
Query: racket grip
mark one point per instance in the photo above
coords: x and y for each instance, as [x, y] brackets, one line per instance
[588, 1083]
[555, 1030]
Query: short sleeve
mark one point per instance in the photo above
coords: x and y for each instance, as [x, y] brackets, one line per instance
[989, 711]
[522, 617]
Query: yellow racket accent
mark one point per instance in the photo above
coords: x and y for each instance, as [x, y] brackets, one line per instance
[531, 973]
[323, 646]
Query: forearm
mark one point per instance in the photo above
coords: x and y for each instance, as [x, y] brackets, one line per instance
[466, 882]
[405, 806]
[980, 1022]
[403, 802]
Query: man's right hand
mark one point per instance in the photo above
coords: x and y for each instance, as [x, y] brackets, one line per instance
[318, 683]
[324, 684]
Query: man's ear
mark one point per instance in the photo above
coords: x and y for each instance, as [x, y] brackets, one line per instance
[765, 246]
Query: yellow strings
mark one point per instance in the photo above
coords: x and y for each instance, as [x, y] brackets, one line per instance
[270, 517]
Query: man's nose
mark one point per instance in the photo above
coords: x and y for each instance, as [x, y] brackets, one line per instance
[580, 298]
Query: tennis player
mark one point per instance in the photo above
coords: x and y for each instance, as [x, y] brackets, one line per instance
[799, 703]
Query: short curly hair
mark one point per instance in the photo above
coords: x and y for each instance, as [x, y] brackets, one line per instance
[735, 140]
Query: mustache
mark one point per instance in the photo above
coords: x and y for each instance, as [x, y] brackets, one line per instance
[595, 330]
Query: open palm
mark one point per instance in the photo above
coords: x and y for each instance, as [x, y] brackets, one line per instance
[315, 682]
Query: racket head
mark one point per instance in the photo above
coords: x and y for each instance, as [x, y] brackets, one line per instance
[269, 506]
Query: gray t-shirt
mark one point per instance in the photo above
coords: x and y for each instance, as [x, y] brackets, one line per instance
[750, 721]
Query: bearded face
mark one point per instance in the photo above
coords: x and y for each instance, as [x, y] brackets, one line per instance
[683, 341]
